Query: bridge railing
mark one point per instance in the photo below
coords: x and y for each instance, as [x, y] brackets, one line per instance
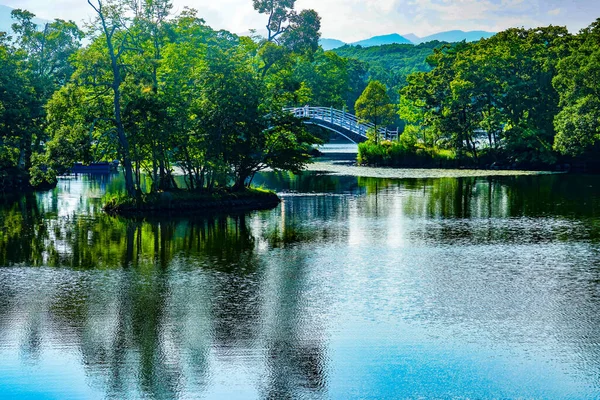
[341, 119]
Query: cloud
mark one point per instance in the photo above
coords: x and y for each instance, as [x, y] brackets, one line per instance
[352, 20]
[555, 11]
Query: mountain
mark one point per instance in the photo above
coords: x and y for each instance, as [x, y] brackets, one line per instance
[6, 21]
[393, 38]
[412, 37]
[330, 44]
[263, 33]
[451, 36]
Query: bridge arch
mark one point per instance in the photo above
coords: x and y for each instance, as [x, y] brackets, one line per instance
[338, 131]
[340, 122]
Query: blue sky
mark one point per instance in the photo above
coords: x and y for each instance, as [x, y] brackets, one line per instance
[351, 20]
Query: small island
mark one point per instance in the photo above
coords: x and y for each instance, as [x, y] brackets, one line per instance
[182, 202]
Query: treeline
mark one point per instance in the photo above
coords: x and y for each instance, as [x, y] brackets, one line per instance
[33, 65]
[159, 91]
[391, 64]
[525, 97]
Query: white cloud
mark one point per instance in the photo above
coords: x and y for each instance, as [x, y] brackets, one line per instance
[351, 20]
[555, 11]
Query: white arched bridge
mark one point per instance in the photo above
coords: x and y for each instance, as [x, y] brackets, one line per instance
[340, 122]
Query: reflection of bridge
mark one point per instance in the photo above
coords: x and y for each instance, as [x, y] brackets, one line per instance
[341, 122]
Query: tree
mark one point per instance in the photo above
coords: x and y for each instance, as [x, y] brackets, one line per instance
[279, 12]
[500, 87]
[298, 32]
[112, 26]
[578, 84]
[16, 102]
[44, 57]
[302, 35]
[374, 105]
[47, 50]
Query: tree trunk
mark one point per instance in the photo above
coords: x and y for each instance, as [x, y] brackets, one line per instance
[116, 88]
[123, 142]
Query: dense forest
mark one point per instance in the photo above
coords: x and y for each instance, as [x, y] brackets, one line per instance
[159, 91]
[523, 98]
[391, 64]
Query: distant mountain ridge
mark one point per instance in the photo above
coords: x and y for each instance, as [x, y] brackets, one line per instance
[393, 38]
[453, 36]
[330, 44]
[410, 38]
[6, 21]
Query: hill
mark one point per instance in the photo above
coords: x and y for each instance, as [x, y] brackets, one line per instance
[409, 38]
[412, 37]
[391, 63]
[451, 36]
[393, 38]
[330, 44]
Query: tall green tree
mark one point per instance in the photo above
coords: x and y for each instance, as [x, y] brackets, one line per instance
[113, 28]
[578, 84]
[374, 105]
[298, 32]
[16, 102]
[40, 60]
[500, 87]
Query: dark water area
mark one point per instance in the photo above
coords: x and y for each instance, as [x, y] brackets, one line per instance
[352, 288]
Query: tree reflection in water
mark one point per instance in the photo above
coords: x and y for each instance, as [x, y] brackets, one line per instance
[170, 307]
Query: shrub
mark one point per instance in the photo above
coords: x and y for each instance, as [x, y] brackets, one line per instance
[404, 154]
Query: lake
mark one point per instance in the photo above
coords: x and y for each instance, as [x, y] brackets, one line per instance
[453, 287]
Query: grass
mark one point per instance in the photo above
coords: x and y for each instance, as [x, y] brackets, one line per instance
[184, 201]
[396, 154]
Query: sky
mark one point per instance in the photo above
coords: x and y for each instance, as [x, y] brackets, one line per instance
[352, 20]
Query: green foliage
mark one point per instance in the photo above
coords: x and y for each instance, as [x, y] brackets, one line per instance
[329, 80]
[296, 32]
[390, 64]
[207, 102]
[34, 64]
[399, 154]
[158, 92]
[495, 97]
[374, 106]
[39, 174]
[578, 84]
[186, 201]
[162, 92]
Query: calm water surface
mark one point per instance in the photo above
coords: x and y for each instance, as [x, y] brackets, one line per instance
[352, 288]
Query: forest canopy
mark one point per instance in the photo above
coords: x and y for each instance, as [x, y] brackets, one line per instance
[159, 92]
[526, 97]
[164, 93]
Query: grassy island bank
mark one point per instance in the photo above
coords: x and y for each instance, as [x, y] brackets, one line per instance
[185, 202]
[396, 154]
